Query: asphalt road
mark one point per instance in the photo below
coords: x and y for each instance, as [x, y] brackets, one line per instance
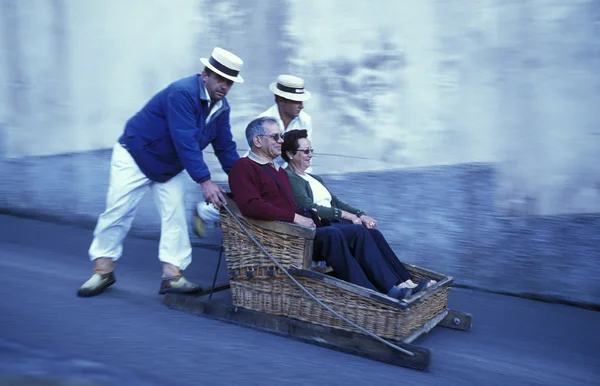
[128, 337]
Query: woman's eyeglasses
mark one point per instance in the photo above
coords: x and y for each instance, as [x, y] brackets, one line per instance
[307, 151]
[275, 137]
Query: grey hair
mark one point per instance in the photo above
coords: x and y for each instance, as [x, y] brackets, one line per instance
[257, 127]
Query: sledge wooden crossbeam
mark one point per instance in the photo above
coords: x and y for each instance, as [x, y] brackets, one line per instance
[457, 320]
[327, 337]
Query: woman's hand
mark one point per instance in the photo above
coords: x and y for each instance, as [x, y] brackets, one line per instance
[351, 217]
[368, 221]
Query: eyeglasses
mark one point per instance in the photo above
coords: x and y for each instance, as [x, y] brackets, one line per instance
[307, 151]
[275, 137]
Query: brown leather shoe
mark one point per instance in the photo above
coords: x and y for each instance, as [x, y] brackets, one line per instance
[178, 285]
[96, 285]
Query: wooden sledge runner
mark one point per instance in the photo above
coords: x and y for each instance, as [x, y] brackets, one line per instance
[368, 323]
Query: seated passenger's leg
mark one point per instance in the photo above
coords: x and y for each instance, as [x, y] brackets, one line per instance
[331, 246]
[396, 265]
[390, 257]
[367, 254]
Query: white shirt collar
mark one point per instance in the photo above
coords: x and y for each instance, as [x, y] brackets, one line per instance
[261, 161]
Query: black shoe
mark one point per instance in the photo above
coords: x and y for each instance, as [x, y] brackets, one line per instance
[96, 285]
[399, 293]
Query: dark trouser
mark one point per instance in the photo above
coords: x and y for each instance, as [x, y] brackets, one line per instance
[355, 256]
[390, 257]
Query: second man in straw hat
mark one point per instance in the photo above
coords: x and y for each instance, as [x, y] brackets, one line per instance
[290, 96]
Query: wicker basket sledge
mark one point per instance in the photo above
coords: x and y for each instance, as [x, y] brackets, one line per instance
[257, 284]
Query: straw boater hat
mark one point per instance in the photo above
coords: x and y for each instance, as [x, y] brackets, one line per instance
[225, 64]
[290, 87]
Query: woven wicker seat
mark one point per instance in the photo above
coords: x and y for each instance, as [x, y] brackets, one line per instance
[257, 284]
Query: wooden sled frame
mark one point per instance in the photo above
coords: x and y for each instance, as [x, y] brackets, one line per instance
[264, 298]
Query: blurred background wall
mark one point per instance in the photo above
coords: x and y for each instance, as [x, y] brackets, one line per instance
[489, 101]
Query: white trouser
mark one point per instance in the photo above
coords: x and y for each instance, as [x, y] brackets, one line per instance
[127, 186]
[208, 212]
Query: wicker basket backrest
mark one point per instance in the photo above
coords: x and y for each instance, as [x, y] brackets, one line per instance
[291, 244]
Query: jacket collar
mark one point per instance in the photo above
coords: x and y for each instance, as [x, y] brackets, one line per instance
[203, 95]
[202, 89]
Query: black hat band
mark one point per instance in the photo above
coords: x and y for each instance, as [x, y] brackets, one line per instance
[292, 90]
[222, 68]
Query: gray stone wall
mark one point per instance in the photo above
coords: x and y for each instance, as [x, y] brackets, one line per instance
[469, 128]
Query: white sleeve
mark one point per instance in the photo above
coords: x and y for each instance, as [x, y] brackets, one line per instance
[308, 126]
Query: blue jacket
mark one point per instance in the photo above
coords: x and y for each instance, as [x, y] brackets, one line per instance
[170, 132]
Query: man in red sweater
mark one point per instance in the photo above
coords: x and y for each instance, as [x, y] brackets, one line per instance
[262, 191]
